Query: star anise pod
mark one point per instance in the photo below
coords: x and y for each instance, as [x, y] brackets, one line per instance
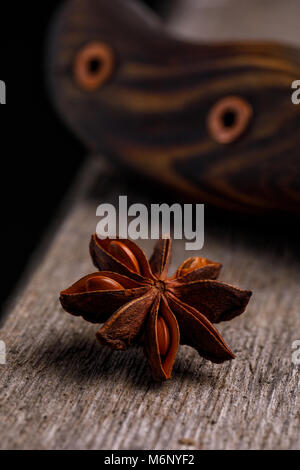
[139, 304]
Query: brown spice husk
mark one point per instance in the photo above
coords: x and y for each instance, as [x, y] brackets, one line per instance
[190, 301]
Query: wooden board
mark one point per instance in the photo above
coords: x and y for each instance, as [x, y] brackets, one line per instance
[61, 390]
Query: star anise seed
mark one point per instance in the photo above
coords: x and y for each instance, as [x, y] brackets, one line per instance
[139, 304]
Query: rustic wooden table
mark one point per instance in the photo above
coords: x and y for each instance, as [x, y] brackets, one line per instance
[60, 389]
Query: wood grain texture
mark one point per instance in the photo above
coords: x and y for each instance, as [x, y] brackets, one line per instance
[61, 390]
[153, 112]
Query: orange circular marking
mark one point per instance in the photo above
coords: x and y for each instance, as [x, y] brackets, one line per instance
[229, 118]
[94, 65]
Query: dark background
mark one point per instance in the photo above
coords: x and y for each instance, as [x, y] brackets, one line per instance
[39, 157]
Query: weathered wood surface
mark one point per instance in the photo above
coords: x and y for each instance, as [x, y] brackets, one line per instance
[61, 390]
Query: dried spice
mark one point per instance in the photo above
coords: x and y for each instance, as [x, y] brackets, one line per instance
[140, 305]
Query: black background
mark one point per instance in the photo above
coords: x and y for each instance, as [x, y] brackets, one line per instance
[39, 157]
